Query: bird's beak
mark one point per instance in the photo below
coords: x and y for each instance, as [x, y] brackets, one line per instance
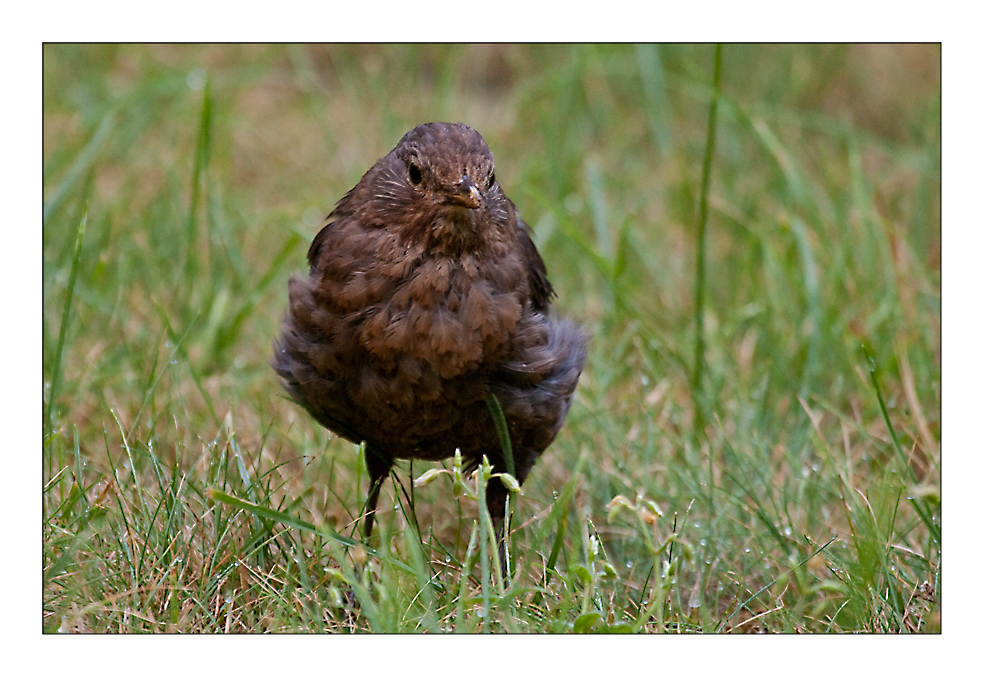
[466, 194]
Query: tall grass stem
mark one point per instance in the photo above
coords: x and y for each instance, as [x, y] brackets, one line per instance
[701, 273]
[69, 294]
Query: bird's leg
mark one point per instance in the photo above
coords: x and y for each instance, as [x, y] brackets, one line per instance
[378, 464]
[495, 499]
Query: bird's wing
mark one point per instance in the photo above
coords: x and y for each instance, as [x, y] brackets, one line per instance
[541, 291]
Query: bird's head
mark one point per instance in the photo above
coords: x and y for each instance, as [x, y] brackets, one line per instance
[438, 186]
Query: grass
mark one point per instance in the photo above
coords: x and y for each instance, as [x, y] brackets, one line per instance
[792, 486]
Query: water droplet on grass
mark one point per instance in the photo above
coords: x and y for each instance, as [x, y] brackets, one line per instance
[197, 78]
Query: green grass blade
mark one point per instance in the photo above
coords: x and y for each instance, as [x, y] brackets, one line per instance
[79, 167]
[502, 430]
[748, 601]
[203, 148]
[63, 328]
[917, 503]
[700, 277]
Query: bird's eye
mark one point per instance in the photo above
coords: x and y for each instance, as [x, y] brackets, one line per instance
[415, 176]
[491, 179]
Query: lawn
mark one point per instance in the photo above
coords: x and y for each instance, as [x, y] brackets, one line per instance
[755, 442]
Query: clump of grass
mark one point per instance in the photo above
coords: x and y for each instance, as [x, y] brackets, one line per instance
[182, 493]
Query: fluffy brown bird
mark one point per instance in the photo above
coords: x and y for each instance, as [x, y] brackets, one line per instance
[425, 295]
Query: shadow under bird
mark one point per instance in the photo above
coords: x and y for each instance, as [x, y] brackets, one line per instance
[425, 296]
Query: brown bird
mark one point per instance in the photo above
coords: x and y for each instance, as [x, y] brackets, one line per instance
[425, 295]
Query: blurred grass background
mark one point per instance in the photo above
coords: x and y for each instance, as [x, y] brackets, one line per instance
[197, 175]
